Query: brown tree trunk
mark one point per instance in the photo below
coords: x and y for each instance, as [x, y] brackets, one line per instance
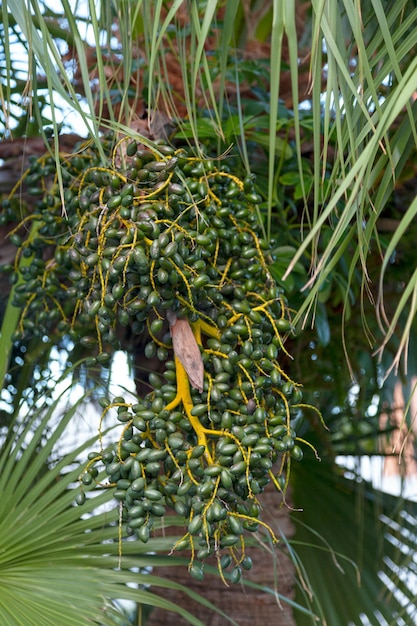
[400, 447]
[247, 606]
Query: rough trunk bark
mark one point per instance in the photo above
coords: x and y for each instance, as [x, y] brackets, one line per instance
[247, 606]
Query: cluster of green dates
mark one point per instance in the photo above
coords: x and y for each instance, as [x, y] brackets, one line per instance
[158, 467]
[157, 232]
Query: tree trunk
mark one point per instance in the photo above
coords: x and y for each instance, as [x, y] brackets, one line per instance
[247, 606]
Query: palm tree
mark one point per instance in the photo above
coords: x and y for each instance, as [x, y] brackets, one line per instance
[326, 178]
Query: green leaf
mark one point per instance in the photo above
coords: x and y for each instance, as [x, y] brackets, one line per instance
[322, 325]
[60, 563]
[289, 179]
[348, 529]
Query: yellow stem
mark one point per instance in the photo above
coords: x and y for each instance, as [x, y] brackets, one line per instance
[184, 396]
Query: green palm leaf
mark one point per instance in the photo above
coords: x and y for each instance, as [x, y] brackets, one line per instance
[355, 546]
[60, 563]
[369, 120]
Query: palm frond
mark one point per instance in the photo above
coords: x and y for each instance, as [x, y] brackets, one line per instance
[59, 562]
[363, 540]
[370, 86]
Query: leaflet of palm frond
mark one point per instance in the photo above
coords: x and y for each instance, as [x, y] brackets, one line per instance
[358, 563]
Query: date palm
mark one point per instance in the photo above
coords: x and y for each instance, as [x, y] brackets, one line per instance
[327, 178]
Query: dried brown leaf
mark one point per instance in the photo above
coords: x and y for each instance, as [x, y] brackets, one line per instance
[187, 351]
